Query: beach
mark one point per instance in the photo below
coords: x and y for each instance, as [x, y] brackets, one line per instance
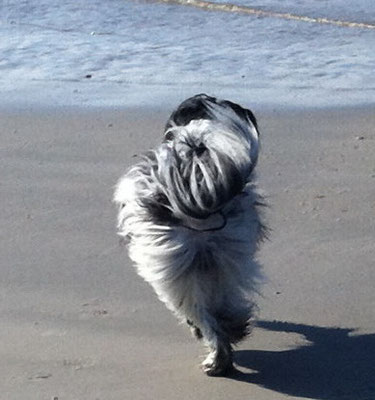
[76, 322]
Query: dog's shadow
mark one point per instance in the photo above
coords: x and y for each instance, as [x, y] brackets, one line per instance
[336, 364]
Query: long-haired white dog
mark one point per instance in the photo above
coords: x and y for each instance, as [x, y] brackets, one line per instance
[190, 211]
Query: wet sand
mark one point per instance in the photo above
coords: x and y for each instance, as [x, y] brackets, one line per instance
[77, 323]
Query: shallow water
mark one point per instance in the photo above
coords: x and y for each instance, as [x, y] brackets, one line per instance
[136, 52]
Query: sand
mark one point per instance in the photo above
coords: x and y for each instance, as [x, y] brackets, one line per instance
[77, 323]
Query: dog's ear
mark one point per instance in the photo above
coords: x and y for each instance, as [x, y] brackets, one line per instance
[243, 113]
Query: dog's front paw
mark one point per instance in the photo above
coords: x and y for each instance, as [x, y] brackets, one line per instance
[217, 364]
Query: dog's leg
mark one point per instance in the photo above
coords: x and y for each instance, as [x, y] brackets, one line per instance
[219, 360]
[195, 331]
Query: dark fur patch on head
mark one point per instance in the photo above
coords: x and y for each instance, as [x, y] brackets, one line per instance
[196, 108]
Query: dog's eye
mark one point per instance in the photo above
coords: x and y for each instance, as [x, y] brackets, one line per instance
[169, 136]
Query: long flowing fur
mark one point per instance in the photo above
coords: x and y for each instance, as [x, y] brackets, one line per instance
[190, 211]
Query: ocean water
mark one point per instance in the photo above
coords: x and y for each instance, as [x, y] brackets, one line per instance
[128, 52]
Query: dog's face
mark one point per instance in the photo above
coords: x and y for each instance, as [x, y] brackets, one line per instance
[209, 150]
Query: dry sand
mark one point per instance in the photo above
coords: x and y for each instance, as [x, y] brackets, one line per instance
[77, 323]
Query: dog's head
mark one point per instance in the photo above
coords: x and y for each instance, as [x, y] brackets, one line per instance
[209, 151]
[200, 118]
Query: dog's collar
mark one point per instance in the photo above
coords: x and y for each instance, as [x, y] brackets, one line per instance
[214, 222]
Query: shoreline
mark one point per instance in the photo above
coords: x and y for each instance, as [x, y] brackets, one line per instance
[107, 95]
[129, 111]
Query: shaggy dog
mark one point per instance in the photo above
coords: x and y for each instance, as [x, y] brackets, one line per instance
[191, 214]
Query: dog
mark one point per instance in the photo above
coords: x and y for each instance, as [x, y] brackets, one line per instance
[192, 216]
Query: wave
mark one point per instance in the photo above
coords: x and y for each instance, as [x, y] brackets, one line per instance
[234, 8]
